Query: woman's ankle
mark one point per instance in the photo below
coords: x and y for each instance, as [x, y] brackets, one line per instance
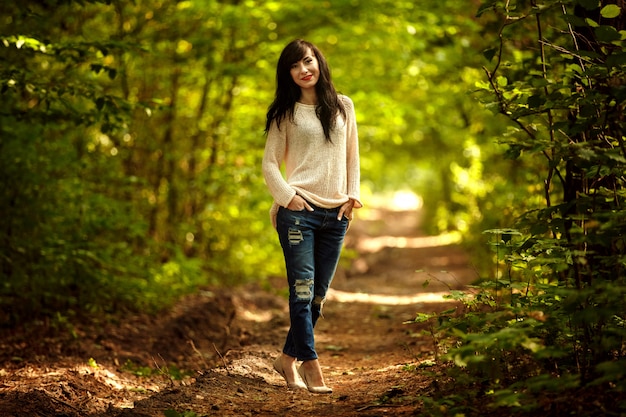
[286, 359]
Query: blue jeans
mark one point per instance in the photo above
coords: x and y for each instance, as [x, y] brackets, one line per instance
[311, 242]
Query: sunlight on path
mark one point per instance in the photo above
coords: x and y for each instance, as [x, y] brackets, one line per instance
[397, 215]
[401, 200]
[374, 244]
[392, 300]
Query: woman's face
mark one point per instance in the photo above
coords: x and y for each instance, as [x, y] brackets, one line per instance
[305, 72]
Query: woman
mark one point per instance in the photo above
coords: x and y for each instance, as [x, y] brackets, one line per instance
[312, 130]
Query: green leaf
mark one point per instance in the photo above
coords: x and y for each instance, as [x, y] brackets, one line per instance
[610, 11]
[574, 20]
[487, 5]
[507, 398]
[616, 60]
[607, 33]
[589, 4]
[513, 152]
[421, 317]
[536, 101]
[489, 53]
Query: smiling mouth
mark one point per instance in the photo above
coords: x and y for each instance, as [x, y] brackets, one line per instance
[307, 78]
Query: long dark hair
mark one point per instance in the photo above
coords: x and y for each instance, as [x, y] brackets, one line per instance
[288, 92]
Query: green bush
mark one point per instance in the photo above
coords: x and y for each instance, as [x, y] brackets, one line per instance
[547, 331]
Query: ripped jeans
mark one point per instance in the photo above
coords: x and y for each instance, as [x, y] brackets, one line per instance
[311, 242]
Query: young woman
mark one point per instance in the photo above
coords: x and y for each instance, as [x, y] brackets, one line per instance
[312, 130]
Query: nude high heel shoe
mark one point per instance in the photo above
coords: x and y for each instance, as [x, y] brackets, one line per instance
[315, 390]
[297, 384]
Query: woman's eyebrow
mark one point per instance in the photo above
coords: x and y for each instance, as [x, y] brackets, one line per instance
[303, 58]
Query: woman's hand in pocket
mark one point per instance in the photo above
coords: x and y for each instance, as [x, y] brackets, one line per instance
[298, 203]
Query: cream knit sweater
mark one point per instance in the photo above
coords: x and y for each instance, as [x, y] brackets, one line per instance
[325, 174]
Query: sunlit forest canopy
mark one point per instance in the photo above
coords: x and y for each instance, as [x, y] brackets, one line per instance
[132, 132]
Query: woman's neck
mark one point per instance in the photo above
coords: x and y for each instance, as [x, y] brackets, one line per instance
[308, 97]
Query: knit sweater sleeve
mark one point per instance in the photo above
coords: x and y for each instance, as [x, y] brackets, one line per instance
[352, 154]
[275, 149]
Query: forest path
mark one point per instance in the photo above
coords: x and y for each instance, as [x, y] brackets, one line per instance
[229, 338]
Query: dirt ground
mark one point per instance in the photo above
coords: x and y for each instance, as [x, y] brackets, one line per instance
[211, 355]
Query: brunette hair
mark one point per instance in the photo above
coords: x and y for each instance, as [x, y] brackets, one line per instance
[288, 92]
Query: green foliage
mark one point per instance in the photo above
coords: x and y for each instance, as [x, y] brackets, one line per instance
[92, 218]
[172, 372]
[551, 321]
[60, 234]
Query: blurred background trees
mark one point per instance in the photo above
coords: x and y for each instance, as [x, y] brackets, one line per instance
[132, 132]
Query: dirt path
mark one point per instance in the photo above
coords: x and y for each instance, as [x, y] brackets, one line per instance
[212, 354]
